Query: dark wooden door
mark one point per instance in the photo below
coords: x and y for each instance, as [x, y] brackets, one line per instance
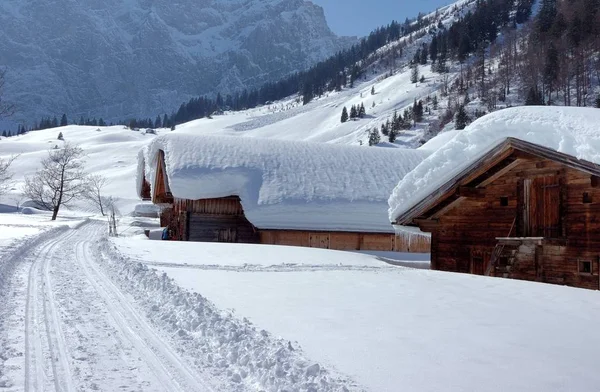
[227, 235]
[479, 261]
[542, 207]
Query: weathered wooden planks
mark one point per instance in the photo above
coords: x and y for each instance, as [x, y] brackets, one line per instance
[543, 198]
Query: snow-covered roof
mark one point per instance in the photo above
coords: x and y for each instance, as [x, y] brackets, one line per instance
[572, 131]
[284, 184]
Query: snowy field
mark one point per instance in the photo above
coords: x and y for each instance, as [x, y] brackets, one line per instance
[393, 328]
[16, 228]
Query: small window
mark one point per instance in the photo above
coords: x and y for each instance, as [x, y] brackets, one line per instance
[504, 201]
[585, 267]
[587, 198]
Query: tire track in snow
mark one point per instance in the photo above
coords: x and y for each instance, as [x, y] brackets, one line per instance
[36, 365]
[176, 375]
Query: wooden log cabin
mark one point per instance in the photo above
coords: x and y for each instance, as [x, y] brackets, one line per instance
[203, 198]
[520, 211]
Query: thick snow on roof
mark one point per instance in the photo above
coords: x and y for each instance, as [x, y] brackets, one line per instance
[286, 185]
[439, 141]
[573, 131]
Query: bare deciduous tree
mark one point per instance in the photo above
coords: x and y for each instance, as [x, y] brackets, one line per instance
[94, 193]
[6, 109]
[5, 174]
[60, 180]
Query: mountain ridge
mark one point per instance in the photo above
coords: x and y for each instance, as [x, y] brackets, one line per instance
[136, 58]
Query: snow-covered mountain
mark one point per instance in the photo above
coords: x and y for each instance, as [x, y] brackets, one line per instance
[117, 58]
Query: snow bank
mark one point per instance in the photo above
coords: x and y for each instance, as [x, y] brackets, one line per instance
[573, 131]
[282, 184]
[220, 342]
[439, 141]
[146, 210]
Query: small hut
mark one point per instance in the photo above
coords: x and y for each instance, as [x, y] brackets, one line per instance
[516, 195]
[228, 189]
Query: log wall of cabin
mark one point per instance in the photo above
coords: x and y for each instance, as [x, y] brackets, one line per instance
[469, 229]
[209, 220]
[346, 240]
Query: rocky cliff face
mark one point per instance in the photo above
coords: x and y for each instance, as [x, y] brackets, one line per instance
[123, 58]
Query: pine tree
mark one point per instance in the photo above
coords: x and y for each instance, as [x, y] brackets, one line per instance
[424, 53]
[373, 91]
[344, 115]
[362, 111]
[598, 101]
[462, 118]
[417, 111]
[353, 112]
[60, 136]
[534, 97]
[433, 50]
[374, 137]
[392, 136]
[307, 93]
[4, 134]
[417, 57]
[158, 122]
[464, 48]
[63, 121]
[101, 122]
[414, 74]
[441, 66]
[384, 130]
[54, 123]
[551, 68]
[435, 102]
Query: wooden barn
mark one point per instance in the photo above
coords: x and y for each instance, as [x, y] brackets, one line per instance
[224, 189]
[519, 211]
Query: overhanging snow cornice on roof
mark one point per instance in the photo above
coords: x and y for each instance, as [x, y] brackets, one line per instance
[497, 161]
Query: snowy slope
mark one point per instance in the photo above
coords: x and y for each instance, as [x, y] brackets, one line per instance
[284, 184]
[392, 328]
[319, 121]
[570, 130]
[110, 151]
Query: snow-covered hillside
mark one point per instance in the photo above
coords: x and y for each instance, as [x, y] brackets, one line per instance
[110, 151]
[120, 59]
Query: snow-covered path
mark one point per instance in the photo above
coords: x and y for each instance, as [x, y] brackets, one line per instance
[72, 329]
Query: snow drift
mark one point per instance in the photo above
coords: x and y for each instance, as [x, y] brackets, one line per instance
[573, 131]
[282, 184]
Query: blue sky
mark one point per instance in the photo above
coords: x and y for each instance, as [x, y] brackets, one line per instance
[360, 17]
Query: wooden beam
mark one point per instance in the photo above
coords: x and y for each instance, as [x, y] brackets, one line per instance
[427, 225]
[539, 173]
[442, 211]
[500, 172]
[471, 193]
